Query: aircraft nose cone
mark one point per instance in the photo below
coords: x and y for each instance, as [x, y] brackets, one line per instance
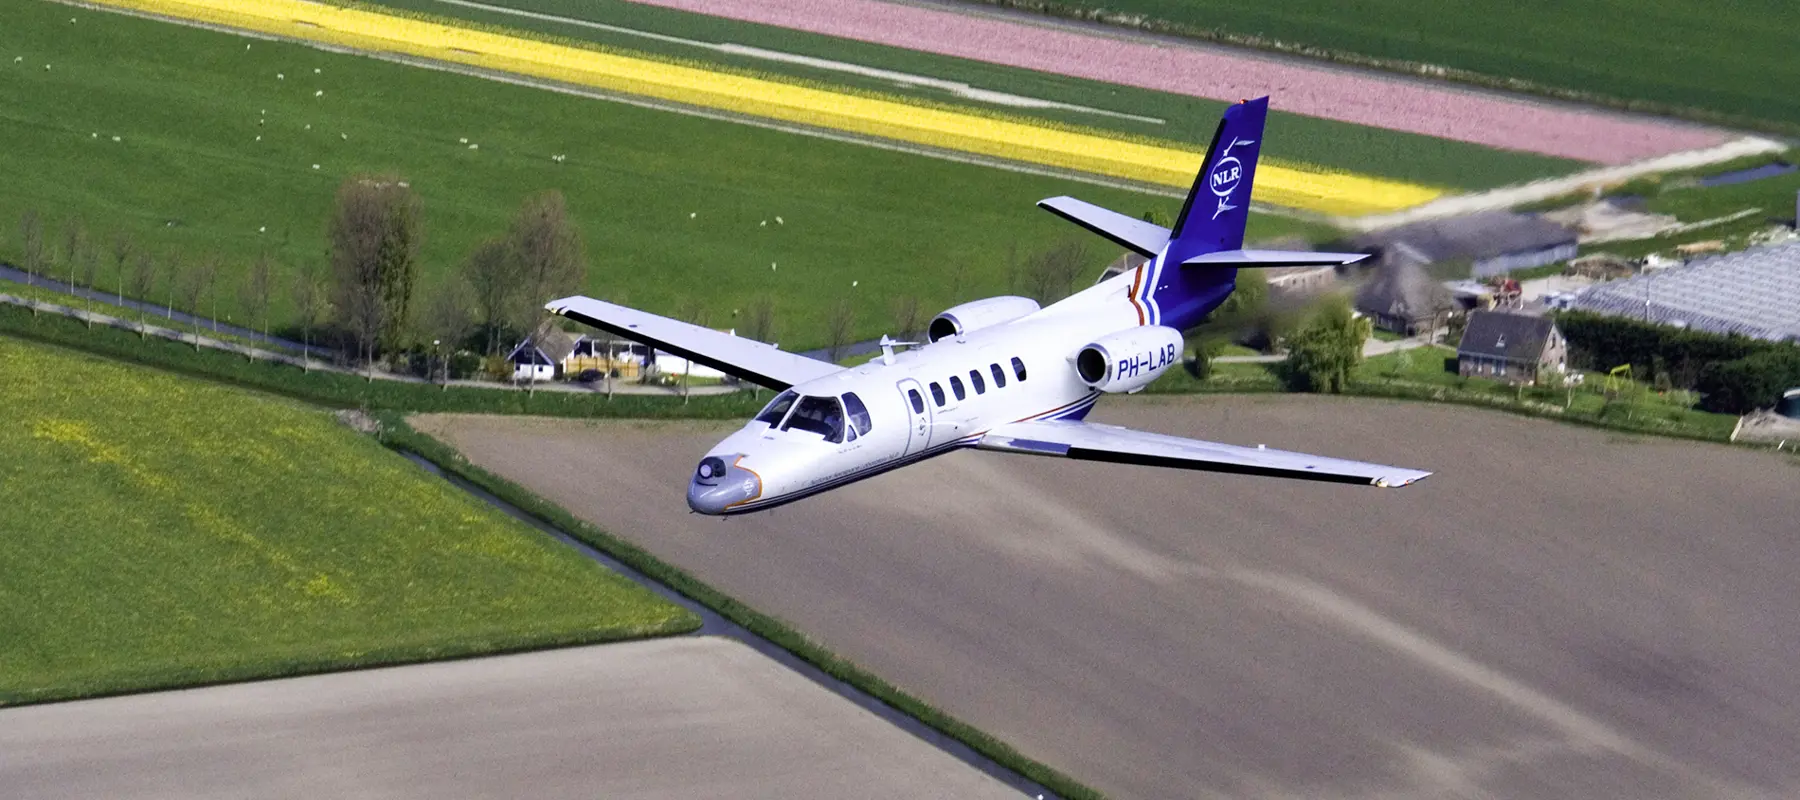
[719, 484]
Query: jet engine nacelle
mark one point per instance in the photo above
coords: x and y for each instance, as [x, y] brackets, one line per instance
[1128, 360]
[978, 314]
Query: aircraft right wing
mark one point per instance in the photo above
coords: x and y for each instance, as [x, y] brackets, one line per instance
[1087, 441]
[734, 355]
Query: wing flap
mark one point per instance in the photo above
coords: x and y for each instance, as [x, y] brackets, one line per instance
[733, 355]
[1144, 238]
[1273, 258]
[1086, 441]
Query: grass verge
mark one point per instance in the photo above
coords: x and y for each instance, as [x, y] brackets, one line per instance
[162, 532]
[340, 390]
[397, 434]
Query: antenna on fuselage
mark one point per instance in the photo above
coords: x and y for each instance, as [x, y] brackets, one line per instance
[887, 348]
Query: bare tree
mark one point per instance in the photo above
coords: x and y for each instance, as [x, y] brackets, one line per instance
[171, 278]
[74, 241]
[1050, 275]
[906, 317]
[195, 289]
[838, 327]
[31, 238]
[447, 322]
[309, 294]
[375, 237]
[90, 274]
[122, 249]
[494, 287]
[257, 291]
[143, 282]
[759, 324]
[548, 256]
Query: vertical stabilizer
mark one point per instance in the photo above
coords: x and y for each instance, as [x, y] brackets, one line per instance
[1212, 219]
[1218, 205]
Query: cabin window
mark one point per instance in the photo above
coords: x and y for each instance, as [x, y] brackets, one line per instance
[999, 376]
[956, 387]
[976, 381]
[858, 413]
[918, 403]
[777, 408]
[820, 415]
[937, 394]
[1018, 368]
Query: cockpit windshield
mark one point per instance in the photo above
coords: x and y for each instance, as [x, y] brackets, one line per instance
[820, 415]
[777, 408]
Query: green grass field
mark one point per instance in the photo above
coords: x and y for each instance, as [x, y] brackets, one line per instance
[162, 531]
[1735, 59]
[1339, 145]
[672, 206]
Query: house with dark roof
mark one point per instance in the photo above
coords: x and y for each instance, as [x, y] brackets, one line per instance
[1402, 298]
[543, 354]
[1494, 242]
[1511, 347]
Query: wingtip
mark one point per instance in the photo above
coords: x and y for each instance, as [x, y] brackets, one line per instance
[1397, 481]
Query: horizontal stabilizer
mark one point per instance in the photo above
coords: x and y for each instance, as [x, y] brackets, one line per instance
[1145, 238]
[1087, 441]
[1273, 258]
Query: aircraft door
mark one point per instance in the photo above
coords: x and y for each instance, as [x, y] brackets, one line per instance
[918, 434]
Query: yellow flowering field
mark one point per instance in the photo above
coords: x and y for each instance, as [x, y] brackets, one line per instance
[159, 531]
[1278, 184]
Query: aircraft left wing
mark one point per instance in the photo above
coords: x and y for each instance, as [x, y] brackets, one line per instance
[1086, 441]
[733, 355]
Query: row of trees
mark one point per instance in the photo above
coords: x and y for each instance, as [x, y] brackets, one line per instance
[366, 297]
[1734, 374]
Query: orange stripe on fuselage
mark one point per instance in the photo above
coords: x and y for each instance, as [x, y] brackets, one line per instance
[1137, 281]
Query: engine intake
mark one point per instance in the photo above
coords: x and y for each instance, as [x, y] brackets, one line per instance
[977, 315]
[1128, 360]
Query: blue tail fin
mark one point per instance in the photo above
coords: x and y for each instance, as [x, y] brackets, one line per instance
[1218, 205]
[1211, 220]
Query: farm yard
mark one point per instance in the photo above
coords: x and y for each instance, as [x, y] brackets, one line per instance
[162, 532]
[1730, 59]
[923, 76]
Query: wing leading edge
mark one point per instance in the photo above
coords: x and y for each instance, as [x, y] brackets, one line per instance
[734, 355]
[1087, 441]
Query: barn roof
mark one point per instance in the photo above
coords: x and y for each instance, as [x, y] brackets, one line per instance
[1475, 236]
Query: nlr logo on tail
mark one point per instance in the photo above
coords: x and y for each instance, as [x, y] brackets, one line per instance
[1226, 175]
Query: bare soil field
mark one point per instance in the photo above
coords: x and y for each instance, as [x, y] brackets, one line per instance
[1558, 613]
[673, 719]
[1217, 73]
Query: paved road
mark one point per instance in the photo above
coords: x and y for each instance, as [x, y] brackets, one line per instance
[1559, 613]
[676, 718]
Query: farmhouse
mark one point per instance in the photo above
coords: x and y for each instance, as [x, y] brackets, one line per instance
[1494, 242]
[1513, 347]
[543, 354]
[1403, 299]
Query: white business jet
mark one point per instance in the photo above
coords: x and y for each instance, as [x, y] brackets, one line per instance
[1003, 374]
